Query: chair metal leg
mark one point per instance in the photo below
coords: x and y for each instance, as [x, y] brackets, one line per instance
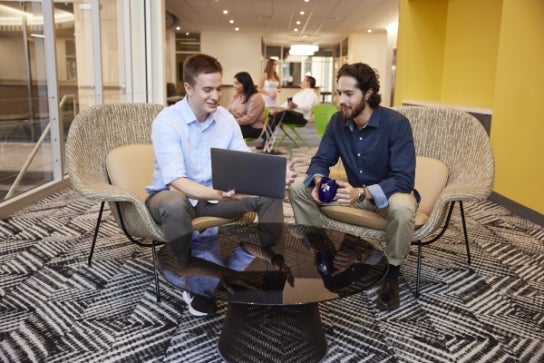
[418, 272]
[157, 290]
[95, 236]
[295, 140]
[141, 244]
[420, 244]
[465, 230]
[298, 137]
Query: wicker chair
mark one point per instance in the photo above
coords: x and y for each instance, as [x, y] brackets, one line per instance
[458, 140]
[93, 137]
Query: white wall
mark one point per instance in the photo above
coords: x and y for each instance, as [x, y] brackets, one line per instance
[375, 50]
[236, 52]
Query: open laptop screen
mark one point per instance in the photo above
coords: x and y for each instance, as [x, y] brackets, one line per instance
[249, 173]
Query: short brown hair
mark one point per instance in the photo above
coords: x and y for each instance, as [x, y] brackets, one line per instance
[199, 63]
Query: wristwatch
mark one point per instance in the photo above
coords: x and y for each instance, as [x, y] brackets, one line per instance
[362, 194]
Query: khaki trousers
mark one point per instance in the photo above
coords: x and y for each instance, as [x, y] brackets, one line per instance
[400, 213]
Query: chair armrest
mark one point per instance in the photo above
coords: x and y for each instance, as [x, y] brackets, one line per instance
[464, 192]
[103, 192]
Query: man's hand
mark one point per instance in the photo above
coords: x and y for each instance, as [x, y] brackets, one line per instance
[290, 174]
[232, 195]
[346, 194]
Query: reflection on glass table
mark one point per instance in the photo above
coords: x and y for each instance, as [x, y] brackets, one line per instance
[274, 276]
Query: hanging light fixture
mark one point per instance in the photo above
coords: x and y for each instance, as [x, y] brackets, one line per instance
[303, 49]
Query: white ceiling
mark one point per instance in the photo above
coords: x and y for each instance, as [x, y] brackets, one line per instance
[325, 22]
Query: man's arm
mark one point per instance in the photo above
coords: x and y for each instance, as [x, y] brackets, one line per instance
[195, 190]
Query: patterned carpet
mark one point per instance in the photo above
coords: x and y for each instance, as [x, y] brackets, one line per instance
[54, 308]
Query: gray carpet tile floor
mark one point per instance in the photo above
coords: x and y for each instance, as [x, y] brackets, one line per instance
[56, 308]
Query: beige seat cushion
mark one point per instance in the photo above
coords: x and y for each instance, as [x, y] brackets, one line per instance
[431, 178]
[131, 168]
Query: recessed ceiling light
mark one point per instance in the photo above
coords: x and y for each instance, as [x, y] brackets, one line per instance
[178, 28]
[298, 22]
[225, 12]
[369, 31]
[231, 21]
[301, 13]
[236, 29]
[296, 29]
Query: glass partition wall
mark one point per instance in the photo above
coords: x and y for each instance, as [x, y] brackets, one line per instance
[58, 59]
[294, 68]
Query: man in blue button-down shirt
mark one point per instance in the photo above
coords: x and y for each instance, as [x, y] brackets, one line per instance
[181, 188]
[377, 149]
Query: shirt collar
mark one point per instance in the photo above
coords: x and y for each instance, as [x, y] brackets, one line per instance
[373, 122]
[189, 116]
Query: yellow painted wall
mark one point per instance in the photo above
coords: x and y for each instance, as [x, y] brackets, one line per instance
[420, 50]
[518, 119]
[487, 54]
[470, 57]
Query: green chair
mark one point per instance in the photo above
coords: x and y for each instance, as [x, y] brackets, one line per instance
[294, 137]
[322, 116]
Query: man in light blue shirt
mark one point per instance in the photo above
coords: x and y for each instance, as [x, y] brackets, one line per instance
[181, 188]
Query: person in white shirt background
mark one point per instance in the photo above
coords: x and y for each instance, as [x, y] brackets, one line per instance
[298, 109]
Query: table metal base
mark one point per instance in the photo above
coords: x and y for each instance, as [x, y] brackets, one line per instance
[261, 333]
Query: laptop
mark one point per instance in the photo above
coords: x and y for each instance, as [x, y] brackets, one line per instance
[249, 173]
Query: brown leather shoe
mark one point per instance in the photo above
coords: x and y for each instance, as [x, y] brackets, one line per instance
[389, 297]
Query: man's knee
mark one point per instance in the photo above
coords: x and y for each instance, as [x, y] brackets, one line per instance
[175, 207]
[402, 207]
[298, 190]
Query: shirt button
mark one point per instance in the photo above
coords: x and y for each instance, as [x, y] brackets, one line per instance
[360, 171]
[358, 154]
[361, 138]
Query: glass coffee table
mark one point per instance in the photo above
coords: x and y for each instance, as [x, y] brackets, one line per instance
[273, 277]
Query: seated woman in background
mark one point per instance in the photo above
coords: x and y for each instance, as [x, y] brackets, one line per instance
[247, 105]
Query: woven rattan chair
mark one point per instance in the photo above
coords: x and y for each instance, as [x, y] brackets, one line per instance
[93, 136]
[459, 141]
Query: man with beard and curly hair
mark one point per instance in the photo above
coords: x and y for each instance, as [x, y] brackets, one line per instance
[377, 149]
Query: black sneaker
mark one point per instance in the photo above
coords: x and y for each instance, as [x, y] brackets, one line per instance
[199, 305]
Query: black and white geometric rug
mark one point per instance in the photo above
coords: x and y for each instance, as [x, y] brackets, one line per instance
[55, 308]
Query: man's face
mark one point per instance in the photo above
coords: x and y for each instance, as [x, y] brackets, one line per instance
[350, 97]
[205, 95]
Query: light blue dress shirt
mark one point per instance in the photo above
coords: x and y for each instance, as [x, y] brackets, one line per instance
[182, 144]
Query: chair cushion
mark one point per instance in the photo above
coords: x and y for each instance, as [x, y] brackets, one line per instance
[431, 178]
[131, 167]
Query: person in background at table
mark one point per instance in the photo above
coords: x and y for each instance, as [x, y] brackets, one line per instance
[377, 149]
[247, 105]
[181, 188]
[270, 84]
[296, 110]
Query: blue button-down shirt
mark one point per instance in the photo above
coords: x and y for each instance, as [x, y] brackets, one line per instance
[380, 156]
[182, 144]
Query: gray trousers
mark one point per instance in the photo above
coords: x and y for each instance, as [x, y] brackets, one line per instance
[174, 212]
[400, 213]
